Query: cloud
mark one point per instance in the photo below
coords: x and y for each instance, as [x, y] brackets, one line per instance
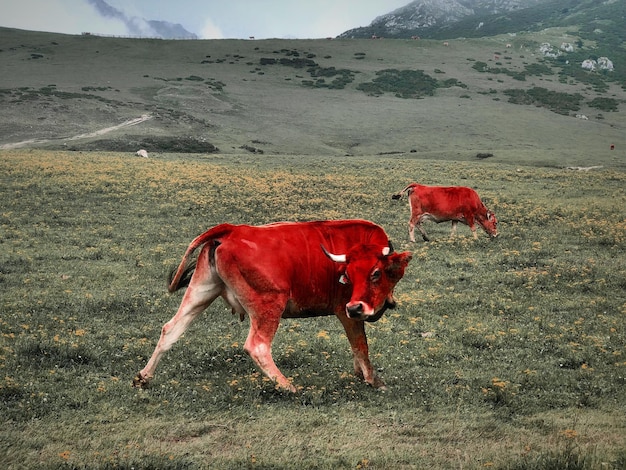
[210, 30]
[106, 10]
[139, 27]
[135, 26]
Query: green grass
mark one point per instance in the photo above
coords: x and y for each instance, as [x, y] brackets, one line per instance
[506, 353]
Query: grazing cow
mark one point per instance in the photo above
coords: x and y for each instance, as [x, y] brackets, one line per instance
[442, 204]
[284, 270]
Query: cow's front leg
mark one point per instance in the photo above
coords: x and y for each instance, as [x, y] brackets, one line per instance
[471, 223]
[454, 227]
[263, 327]
[355, 330]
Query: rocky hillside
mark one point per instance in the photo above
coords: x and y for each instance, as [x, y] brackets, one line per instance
[445, 19]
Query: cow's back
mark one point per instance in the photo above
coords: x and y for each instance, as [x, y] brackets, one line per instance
[336, 235]
[444, 199]
[291, 245]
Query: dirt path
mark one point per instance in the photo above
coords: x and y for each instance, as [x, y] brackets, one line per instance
[106, 130]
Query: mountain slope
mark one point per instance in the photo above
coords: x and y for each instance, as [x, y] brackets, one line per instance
[414, 99]
[447, 19]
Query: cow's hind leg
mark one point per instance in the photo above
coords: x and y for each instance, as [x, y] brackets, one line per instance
[412, 225]
[205, 286]
[423, 232]
[411, 230]
[355, 330]
[265, 317]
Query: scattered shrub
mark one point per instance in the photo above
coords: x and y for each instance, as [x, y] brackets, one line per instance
[403, 83]
[605, 104]
[297, 62]
[561, 103]
[538, 69]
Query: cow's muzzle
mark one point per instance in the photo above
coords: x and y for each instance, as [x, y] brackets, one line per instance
[356, 311]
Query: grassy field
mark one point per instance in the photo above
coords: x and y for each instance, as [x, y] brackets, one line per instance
[506, 353]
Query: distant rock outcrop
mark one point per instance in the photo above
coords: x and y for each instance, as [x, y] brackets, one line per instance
[603, 63]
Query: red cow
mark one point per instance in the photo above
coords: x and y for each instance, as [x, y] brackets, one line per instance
[284, 270]
[444, 203]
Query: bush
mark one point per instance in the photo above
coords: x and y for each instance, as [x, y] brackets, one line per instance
[403, 83]
[561, 103]
[605, 104]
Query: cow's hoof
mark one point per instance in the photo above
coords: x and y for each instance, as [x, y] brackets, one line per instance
[379, 384]
[140, 381]
[286, 387]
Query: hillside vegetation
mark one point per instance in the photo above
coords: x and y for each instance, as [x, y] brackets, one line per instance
[315, 97]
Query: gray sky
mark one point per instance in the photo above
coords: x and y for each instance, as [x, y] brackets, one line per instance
[209, 19]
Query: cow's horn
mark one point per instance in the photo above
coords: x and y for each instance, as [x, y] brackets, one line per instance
[335, 258]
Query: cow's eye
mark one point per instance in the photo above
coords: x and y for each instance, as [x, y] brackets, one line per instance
[375, 275]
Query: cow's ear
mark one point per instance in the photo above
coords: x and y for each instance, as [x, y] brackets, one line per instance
[397, 264]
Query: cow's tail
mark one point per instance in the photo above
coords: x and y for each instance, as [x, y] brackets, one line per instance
[401, 193]
[181, 276]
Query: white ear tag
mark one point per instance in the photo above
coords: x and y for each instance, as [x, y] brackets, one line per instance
[343, 279]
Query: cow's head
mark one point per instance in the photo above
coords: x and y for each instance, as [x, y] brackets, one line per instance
[490, 224]
[372, 271]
